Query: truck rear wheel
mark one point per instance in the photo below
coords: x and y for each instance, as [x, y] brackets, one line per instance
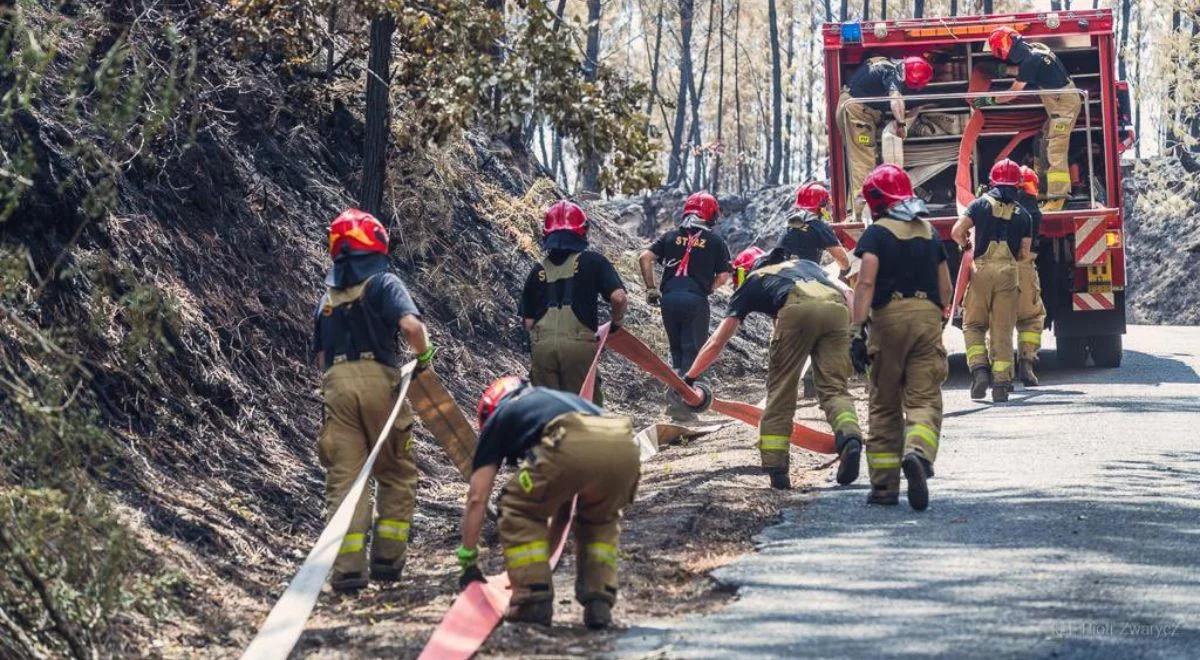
[1072, 352]
[1106, 351]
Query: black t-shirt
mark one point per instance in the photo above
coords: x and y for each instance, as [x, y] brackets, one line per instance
[1040, 68]
[806, 239]
[710, 256]
[907, 266]
[1030, 204]
[386, 300]
[519, 423]
[767, 293]
[989, 229]
[595, 278]
[877, 77]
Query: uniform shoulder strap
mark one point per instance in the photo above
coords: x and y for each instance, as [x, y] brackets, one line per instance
[1000, 210]
[906, 229]
[339, 297]
[563, 271]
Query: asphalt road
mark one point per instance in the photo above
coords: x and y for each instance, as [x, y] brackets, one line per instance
[1064, 524]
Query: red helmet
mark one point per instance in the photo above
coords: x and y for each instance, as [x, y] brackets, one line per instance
[744, 263]
[1001, 41]
[917, 72]
[886, 185]
[812, 197]
[495, 393]
[1030, 180]
[355, 233]
[1005, 173]
[703, 205]
[567, 216]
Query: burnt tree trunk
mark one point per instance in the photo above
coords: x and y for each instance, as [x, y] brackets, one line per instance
[740, 160]
[918, 8]
[989, 7]
[845, 10]
[789, 133]
[697, 92]
[379, 115]
[589, 168]
[1126, 6]
[714, 181]
[674, 170]
[776, 156]
[652, 97]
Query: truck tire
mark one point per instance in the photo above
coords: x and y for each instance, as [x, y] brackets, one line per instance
[1072, 352]
[1106, 351]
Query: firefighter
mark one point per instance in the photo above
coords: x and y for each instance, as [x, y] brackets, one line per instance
[903, 289]
[1031, 312]
[559, 302]
[808, 232]
[695, 263]
[877, 77]
[1002, 238]
[1036, 67]
[564, 447]
[354, 338]
[811, 321]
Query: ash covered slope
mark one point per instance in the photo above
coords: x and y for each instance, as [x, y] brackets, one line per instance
[1162, 204]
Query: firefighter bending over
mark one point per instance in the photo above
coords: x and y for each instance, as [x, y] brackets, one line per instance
[903, 290]
[1031, 312]
[811, 320]
[695, 263]
[559, 302]
[355, 338]
[1036, 67]
[1002, 238]
[565, 447]
[861, 121]
[808, 232]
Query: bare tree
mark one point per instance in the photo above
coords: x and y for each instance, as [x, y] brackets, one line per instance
[1126, 6]
[737, 96]
[378, 114]
[589, 168]
[686, 10]
[697, 92]
[954, 7]
[789, 133]
[714, 181]
[845, 10]
[866, 14]
[776, 156]
[653, 95]
[989, 7]
[918, 8]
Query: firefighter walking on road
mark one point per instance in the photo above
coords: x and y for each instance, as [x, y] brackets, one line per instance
[559, 303]
[695, 263]
[355, 327]
[811, 321]
[564, 447]
[1002, 239]
[903, 290]
[861, 121]
[808, 232]
[1031, 312]
[1036, 67]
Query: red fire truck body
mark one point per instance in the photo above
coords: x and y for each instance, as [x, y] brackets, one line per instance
[1081, 248]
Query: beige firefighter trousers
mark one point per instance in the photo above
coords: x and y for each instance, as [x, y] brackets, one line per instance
[359, 397]
[813, 323]
[860, 127]
[1063, 111]
[990, 312]
[1031, 313]
[908, 367]
[589, 456]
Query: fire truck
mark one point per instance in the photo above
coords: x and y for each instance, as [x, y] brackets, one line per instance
[1081, 255]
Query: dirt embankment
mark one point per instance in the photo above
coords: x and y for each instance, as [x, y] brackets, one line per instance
[1162, 236]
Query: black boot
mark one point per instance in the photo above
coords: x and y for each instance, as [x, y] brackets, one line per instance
[915, 473]
[883, 497]
[849, 460]
[780, 480]
[1025, 371]
[597, 614]
[1000, 392]
[387, 571]
[538, 611]
[348, 583]
[980, 379]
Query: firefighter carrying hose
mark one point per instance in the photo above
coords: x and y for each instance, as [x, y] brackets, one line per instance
[564, 446]
[861, 121]
[1031, 313]
[903, 289]
[1002, 239]
[1036, 67]
[559, 302]
[811, 320]
[355, 327]
[808, 232]
[695, 263]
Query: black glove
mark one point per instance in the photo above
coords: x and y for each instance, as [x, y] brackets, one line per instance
[470, 574]
[653, 297]
[859, 356]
